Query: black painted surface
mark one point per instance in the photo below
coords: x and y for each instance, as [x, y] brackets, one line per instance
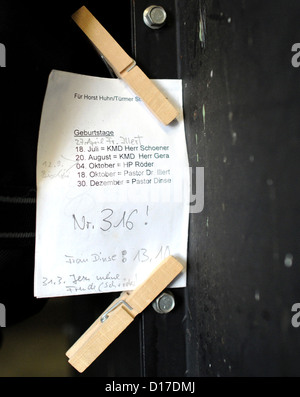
[241, 101]
[240, 288]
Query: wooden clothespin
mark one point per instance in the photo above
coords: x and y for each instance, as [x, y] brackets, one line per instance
[125, 67]
[120, 314]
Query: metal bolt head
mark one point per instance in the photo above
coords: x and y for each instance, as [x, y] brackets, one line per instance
[154, 17]
[164, 303]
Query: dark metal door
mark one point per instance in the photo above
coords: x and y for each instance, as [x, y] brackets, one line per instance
[241, 100]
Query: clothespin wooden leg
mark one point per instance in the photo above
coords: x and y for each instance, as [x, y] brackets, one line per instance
[125, 67]
[120, 314]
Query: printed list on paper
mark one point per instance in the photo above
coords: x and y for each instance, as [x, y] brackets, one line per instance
[112, 187]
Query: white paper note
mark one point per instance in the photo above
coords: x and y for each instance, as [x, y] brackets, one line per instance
[112, 187]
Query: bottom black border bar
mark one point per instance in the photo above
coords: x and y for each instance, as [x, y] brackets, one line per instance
[139, 386]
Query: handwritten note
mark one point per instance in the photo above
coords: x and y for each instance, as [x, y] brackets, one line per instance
[112, 187]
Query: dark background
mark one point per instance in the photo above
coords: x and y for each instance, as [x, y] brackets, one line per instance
[241, 104]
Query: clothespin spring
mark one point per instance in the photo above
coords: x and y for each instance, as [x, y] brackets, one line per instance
[120, 302]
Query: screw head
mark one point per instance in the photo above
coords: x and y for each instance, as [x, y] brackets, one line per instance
[154, 17]
[164, 303]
